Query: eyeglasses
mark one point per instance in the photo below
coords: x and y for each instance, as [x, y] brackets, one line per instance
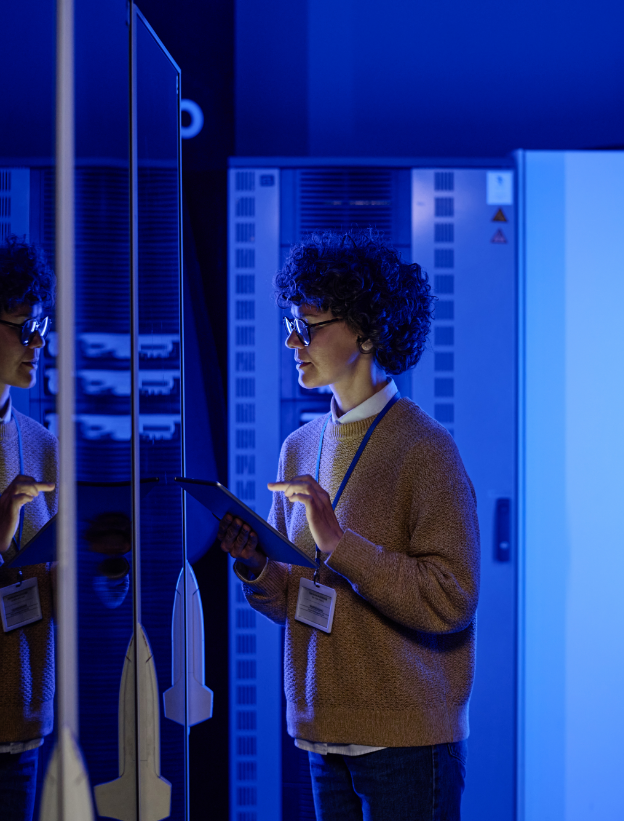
[302, 328]
[29, 328]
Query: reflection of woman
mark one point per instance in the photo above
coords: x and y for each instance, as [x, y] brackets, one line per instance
[28, 478]
[381, 701]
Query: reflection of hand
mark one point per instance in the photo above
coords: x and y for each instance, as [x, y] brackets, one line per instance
[109, 533]
[322, 520]
[23, 489]
[241, 542]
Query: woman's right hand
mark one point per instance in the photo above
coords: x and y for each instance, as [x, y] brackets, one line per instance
[23, 489]
[241, 542]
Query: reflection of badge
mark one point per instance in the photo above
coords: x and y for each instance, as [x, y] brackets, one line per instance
[316, 605]
[19, 604]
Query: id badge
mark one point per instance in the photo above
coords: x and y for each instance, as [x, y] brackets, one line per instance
[20, 604]
[316, 605]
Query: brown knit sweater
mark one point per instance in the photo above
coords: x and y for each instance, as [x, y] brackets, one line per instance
[398, 666]
[27, 653]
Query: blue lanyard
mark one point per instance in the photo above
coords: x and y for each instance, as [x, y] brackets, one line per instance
[354, 462]
[18, 541]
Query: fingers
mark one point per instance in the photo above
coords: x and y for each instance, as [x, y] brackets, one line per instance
[21, 494]
[236, 537]
[302, 489]
[46, 487]
[26, 485]
[304, 498]
[21, 499]
[305, 480]
[223, 526]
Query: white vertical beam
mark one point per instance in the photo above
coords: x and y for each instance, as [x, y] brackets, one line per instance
[521, 484]
[134, 376]
[67, 795]
[66, 541]
[545, 554]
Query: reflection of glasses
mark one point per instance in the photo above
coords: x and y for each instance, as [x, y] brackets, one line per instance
[29, 328]
[302, 328]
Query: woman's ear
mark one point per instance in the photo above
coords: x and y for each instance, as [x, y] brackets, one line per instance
[367, 346]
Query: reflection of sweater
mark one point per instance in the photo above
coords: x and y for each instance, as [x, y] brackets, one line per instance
[27, 653]
[398, 666]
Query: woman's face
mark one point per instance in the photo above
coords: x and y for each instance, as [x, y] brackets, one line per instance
[332, 357]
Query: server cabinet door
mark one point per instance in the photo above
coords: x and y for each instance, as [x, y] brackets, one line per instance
[254, 443]
[463, 234]
[102, 394]
[163, 732]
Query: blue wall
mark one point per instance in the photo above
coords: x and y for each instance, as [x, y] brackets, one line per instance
[340, 77]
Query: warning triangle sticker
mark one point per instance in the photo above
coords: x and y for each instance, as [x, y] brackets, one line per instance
[499, 238]
[499, 216]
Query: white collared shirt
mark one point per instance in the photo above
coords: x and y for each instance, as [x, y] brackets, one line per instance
[369, 407]
[6, 417]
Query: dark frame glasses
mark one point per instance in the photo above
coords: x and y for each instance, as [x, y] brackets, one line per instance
[302, 328]
[29, 328]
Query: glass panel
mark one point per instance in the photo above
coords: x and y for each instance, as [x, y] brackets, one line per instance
[103, 429]
[162, 547]
[27, 144]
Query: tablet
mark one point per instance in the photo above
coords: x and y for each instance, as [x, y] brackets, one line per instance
[220, 501]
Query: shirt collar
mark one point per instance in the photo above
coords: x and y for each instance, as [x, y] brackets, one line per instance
[369, 407]
[6, 417]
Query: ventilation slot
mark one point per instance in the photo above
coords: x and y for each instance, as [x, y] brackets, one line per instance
[444, 232]
[444, 388]
[345, 198]
[245, 181]
[245, 231]
[245, 335]
[444, 335]
[444, 361]
[245, 207]
[444, 206]
[245, 284]
[245, 258]
[444, 283]
[444, 181]
[444, 413]
[245, 309]
[444, 258]
[444, 309]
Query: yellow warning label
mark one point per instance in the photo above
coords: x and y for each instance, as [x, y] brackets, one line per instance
[499, 216]
[499, 238]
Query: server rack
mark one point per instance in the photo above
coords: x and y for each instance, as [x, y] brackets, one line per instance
[457, 219]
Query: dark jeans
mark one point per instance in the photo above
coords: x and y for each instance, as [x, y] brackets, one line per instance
[395, 784]
[18, 783]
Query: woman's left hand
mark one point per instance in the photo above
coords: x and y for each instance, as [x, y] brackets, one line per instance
[322, 520]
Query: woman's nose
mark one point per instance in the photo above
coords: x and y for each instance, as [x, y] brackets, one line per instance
[293, 341]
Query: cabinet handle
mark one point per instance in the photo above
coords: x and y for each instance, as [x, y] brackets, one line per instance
[502, 530]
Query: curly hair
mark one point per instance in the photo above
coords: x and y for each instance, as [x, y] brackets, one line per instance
[362, 280]
[25, 276]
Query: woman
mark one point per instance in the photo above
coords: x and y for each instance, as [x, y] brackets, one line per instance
[380, 641]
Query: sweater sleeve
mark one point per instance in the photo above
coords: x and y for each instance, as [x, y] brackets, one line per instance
[267, 593]
[431, 583]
